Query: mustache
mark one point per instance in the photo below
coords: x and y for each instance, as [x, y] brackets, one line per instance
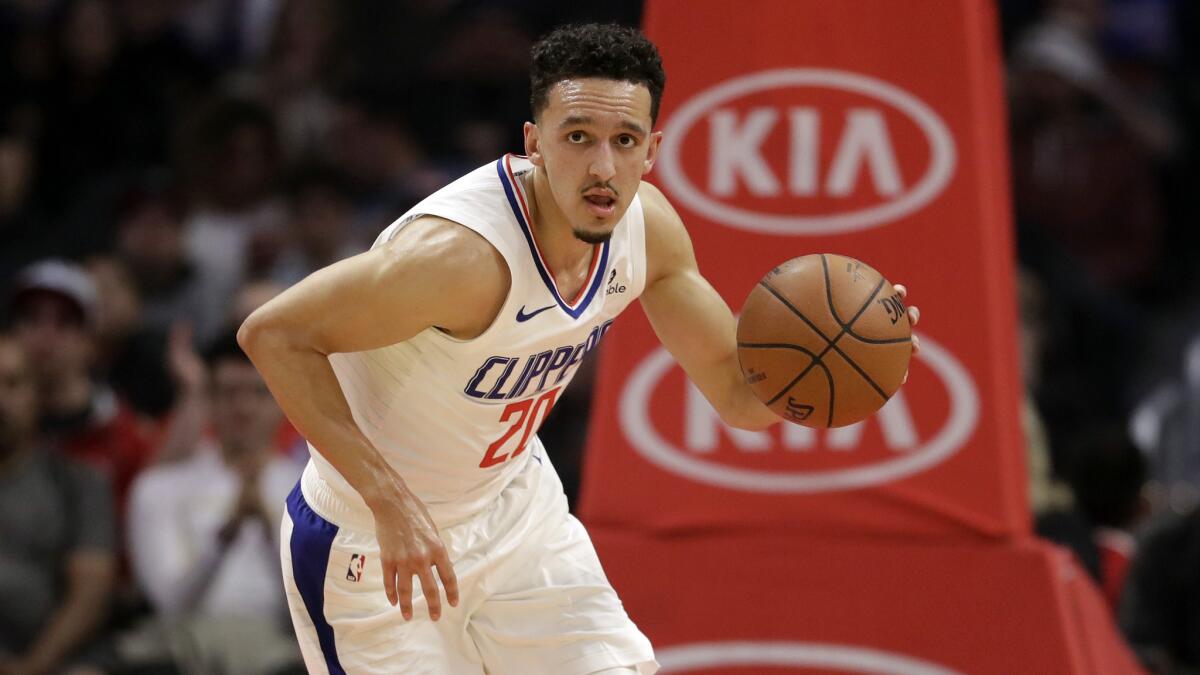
[602, 186]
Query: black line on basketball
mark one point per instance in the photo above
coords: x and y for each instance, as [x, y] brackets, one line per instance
[795, 311]
[816, 361]
[878, 389]
[774, 345]
[829, 292]
[876, 341]
[829, 379]
[846, 326]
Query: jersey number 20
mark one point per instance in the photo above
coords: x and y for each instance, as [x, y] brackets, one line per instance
[529, 415]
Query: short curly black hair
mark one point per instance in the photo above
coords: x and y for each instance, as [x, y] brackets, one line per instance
[603, 50]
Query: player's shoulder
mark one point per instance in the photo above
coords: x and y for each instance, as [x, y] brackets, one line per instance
[667, 242]
[660, 216]
[655, 205]
[452, 272]
[434, 243]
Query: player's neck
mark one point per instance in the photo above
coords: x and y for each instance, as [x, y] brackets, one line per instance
[560, 247]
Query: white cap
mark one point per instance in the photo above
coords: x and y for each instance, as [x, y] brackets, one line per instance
[62, 278]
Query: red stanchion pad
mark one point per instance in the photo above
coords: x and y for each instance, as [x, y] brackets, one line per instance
[872, 129]
[745, 604]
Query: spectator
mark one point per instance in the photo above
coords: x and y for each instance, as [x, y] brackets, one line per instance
[296, 75]
[25, 240]
[372, 143]
[58, 562]
[1160, 609]
[168, 76]
[231, 161]
[255, 294]
[1084, 151]
[130, 355]
[228, 33]
[89, 113]
[1166, 426]
[1107, 473]
[55, 314]
[319, 226]
[204, 531]
[150, 243]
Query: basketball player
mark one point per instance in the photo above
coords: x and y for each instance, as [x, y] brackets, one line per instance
[420, 370]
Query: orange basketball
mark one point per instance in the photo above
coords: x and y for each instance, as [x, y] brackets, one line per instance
[824, 340]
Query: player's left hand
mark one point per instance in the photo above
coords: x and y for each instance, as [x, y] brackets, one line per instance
[914, 315]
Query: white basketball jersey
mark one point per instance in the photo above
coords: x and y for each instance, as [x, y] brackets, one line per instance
[458, 419]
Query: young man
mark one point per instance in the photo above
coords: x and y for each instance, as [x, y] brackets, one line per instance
[55, 308]
[419, 370]
[201, 529]
[58, 561]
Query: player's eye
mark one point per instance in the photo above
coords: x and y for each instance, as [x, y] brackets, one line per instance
[626, 141]
[576, 137]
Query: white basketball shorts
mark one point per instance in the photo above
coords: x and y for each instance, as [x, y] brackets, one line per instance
[533, 598]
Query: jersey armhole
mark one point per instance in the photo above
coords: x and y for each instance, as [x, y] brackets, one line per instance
[637, 246]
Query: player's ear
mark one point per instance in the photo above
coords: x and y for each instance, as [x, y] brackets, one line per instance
[533, 144]
[652, 151]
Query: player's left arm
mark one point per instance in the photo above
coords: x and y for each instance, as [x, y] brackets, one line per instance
[691, 319]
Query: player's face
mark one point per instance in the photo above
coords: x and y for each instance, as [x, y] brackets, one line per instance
[594, 142]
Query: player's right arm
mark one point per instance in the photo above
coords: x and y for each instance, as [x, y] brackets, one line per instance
[433, 273]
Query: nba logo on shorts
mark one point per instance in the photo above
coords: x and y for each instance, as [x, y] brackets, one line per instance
[355, 570]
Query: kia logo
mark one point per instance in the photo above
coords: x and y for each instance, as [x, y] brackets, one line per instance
[829, 153]
[694, 458]
[704, 656]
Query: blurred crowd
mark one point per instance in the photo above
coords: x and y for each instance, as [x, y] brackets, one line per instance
[1104, 121]
[166, 166]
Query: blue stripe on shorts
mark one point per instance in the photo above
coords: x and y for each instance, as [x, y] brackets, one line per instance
[312, 539]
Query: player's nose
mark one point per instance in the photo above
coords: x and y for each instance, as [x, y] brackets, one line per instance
[602, 166]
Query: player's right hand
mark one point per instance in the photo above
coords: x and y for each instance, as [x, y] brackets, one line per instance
[409, 545]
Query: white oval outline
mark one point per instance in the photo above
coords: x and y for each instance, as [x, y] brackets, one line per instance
[640, 432]
[941, 142]
[701, 655]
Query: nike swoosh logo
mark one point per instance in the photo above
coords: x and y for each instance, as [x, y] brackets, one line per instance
[522, 316]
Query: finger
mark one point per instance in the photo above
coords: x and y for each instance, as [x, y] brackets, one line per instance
[914, 315]
[432, 597]
[901, 289]
[448, 577]
[905, 378]
[389, 583]
[404, 586]
[916, 344]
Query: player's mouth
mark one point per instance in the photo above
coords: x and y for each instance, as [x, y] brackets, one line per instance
[602, 204]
